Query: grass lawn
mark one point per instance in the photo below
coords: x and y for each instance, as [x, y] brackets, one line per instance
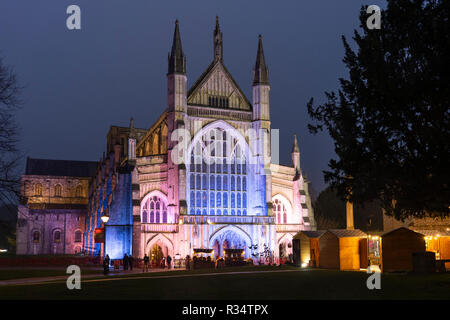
[8, 274]
[304, 284]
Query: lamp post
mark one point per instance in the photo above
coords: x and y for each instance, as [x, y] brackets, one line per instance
[105, 219]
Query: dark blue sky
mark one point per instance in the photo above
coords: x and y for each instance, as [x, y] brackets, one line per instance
[78, 83]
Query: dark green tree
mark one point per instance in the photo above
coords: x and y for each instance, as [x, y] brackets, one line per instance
[329, 210]
[390, 119]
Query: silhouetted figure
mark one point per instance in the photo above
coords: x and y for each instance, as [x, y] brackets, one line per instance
[125, 262]
[146, 261]
[188, 262]
[169, 261]
[106, 265]
[130, 262]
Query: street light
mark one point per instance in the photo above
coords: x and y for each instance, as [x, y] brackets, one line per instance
[104, 218]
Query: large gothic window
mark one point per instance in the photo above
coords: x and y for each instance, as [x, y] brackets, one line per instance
[217, 175]
[154, 210]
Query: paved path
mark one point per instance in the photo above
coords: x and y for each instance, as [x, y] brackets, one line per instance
[54, 279]
[58, 279]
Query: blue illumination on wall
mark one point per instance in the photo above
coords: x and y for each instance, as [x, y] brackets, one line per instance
[118, 231]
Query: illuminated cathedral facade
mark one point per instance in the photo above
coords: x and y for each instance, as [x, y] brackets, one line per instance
[201, 177]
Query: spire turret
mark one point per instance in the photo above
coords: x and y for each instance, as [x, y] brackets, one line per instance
[132, 133]
[218, 45]
[295, 147]
[261, 72]
[177, 60]
[295, 154]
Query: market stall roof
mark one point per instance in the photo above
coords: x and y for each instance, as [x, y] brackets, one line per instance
[201, 250]
[345, 233]
[311, 234]
[433, 233]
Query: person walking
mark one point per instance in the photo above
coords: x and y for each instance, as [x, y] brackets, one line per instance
[130, 262]
[169, 262]
[146, 261]
[106, 265]
[125, 262]
[188, 262]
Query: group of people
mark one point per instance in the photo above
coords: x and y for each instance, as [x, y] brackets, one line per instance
[162, 262]
[128, 263]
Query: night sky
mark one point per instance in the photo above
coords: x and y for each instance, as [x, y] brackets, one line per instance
[78, 83]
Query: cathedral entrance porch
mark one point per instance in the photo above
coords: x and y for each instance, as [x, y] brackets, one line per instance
[159, 247]
[156, 256]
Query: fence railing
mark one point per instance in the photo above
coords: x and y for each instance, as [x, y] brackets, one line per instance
[160, 227]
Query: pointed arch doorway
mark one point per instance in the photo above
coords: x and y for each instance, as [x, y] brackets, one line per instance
[156, 255]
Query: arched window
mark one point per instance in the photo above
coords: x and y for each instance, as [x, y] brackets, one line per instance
[152, 216]
[211, 200]
[223, 170]
[38, 189]
[144, 216]
[157, 207]
[78, 235]
[204, 200]
[279, 210]
[211, 182]
[36, 236]
[225, 200]
[58, 190]
[192, 181]
[78, 191]
[57, 236]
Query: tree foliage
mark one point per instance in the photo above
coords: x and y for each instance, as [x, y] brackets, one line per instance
[390, 119]
[329, 210]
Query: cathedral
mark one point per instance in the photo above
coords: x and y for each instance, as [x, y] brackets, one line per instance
[200, 179]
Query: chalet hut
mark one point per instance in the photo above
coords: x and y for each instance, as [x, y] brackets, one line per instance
[340, 249]
[372, 248]
[306, 248]
[437, 242]
[397, 248]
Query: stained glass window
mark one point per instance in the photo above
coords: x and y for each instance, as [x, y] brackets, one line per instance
[157, 208]
[279, 211]
[222, 174]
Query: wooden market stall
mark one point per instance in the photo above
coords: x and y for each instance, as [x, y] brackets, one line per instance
[397, 248]
[372, 247]
[203, 258]
[340, 249]
[306, 248]
[437, 242]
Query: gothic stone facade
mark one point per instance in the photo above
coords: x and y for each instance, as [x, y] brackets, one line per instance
[231, 197]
